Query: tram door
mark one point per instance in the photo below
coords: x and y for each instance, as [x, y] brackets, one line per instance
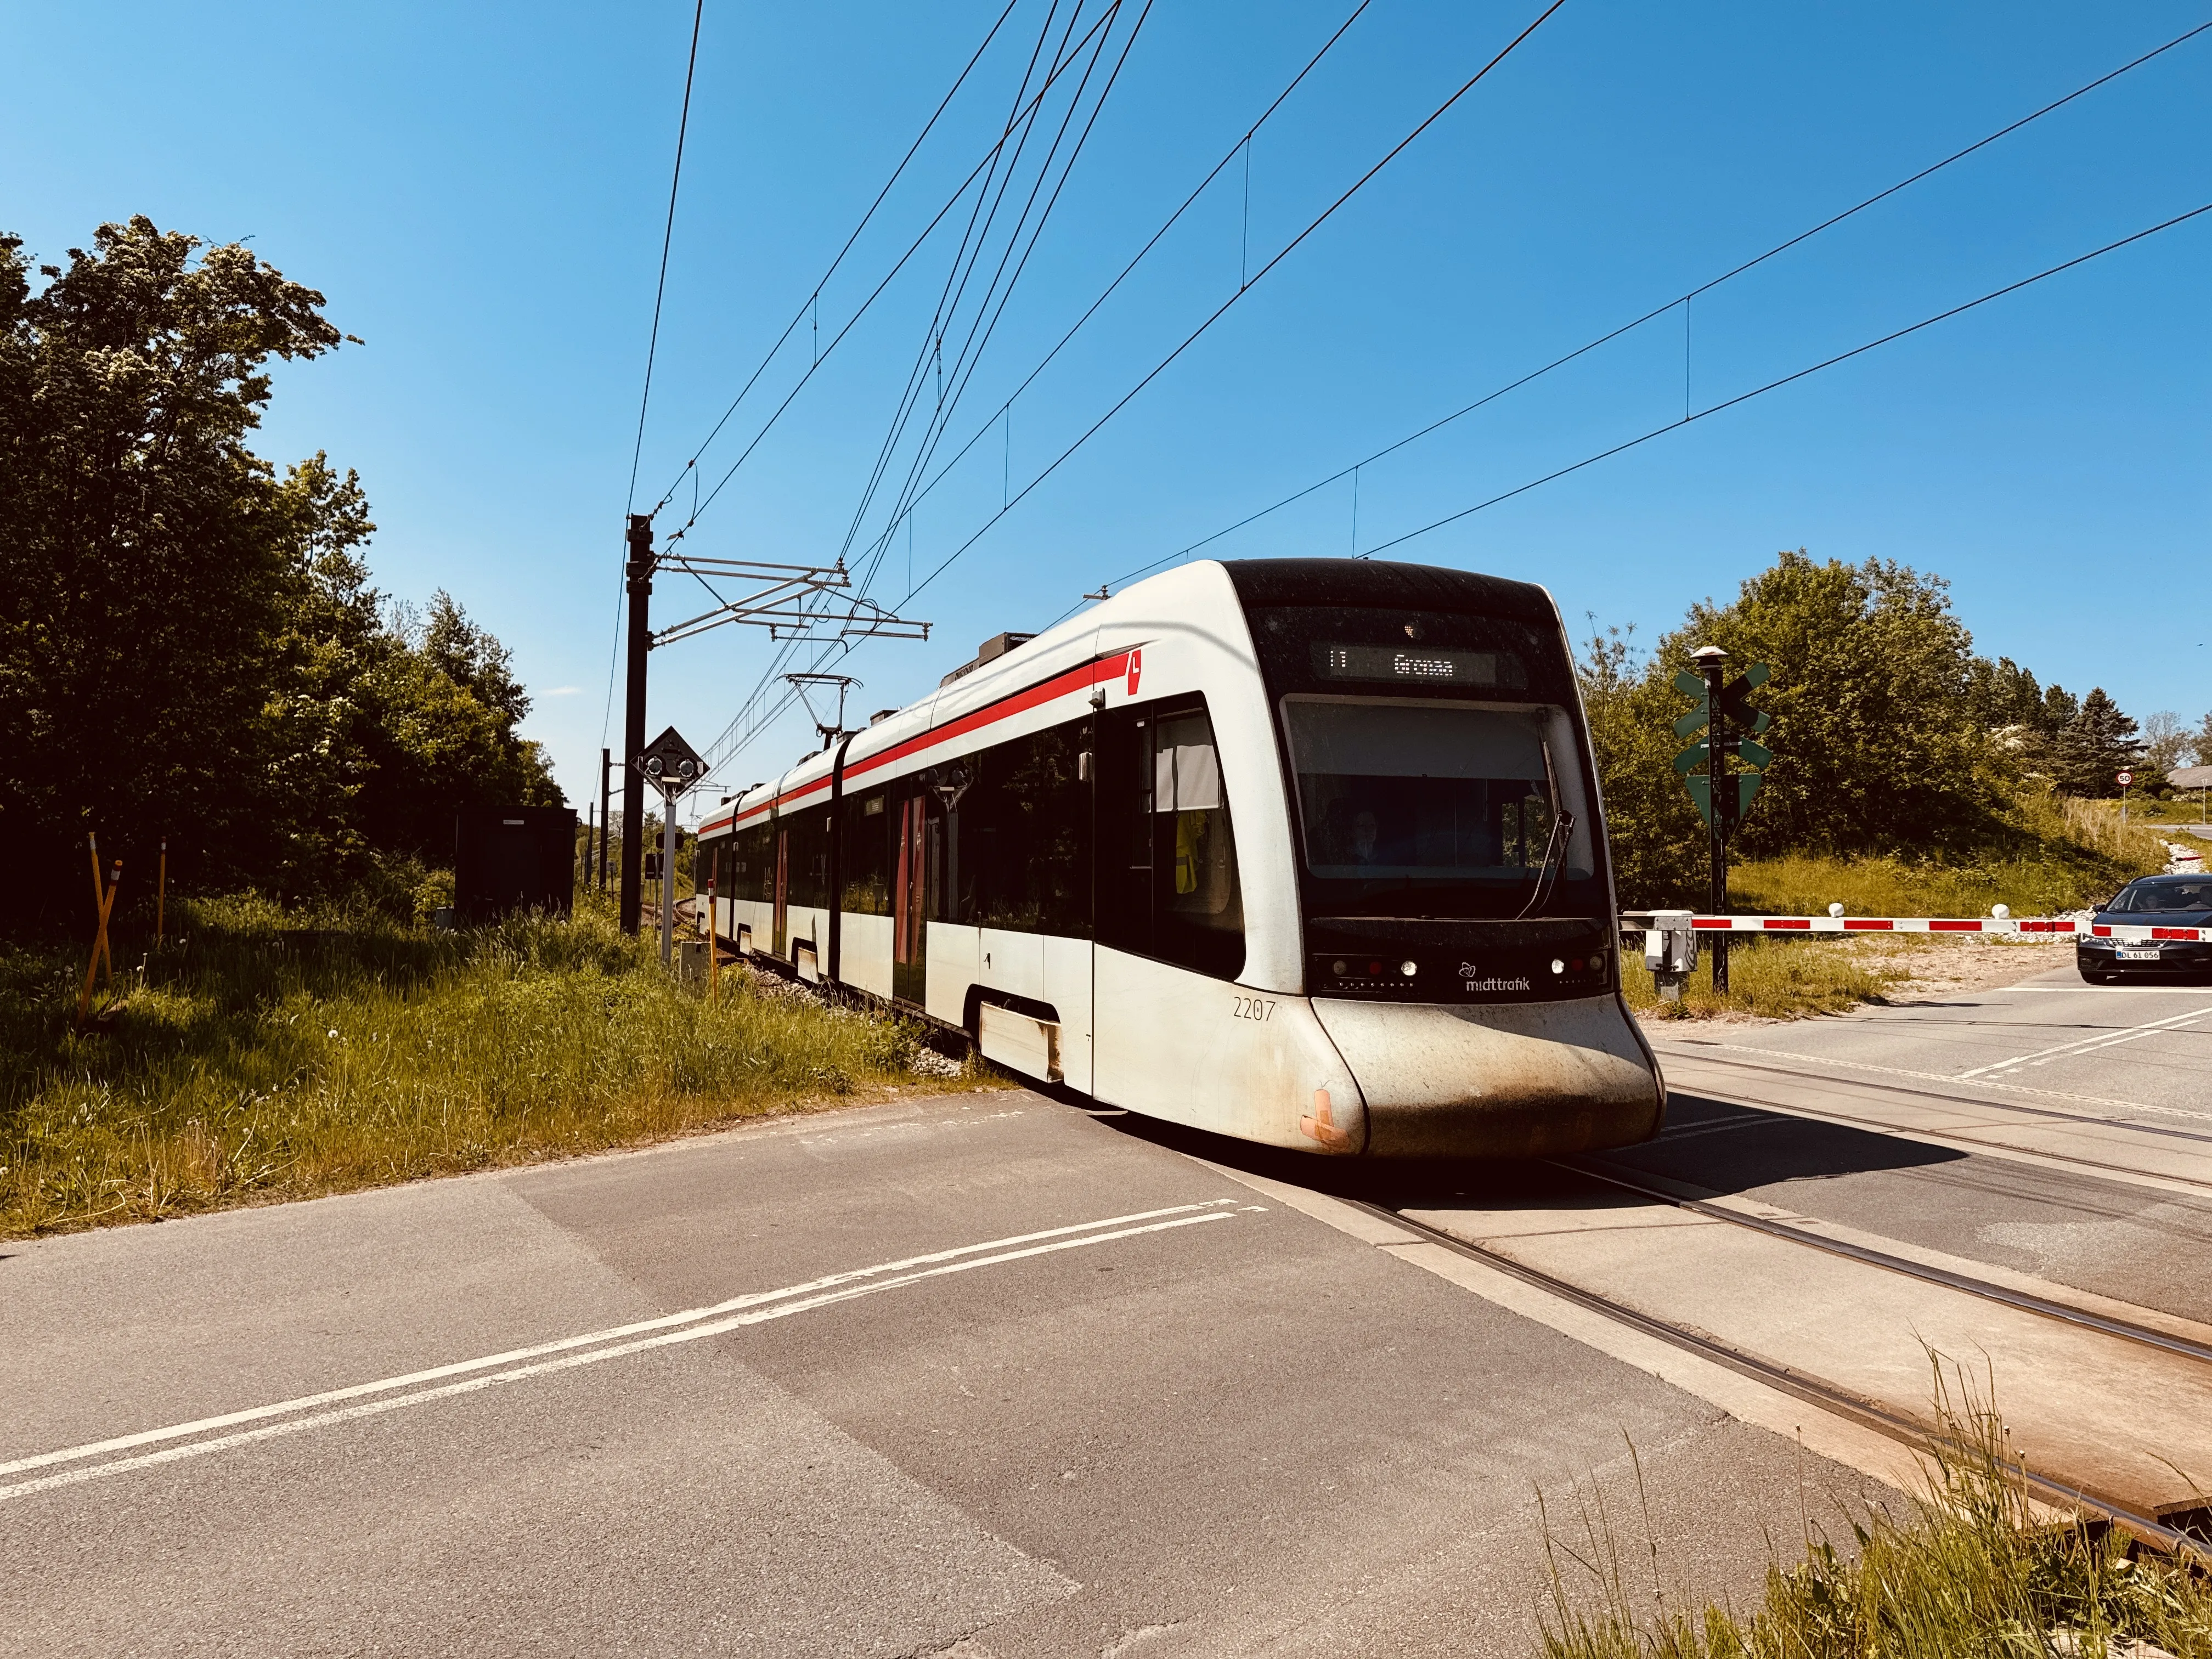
[912, 882]
[782, 887]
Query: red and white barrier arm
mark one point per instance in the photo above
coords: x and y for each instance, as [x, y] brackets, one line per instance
[2065, 926]
[2034, 927]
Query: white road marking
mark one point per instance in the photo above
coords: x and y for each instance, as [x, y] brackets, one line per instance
[1684, 1051]
[758, 1306]
[2102, 1040]
[2106, 990]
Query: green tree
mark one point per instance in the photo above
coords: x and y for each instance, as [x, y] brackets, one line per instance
[444, 705]
[1878, 740]
[1655, 834]
[189, 643]
[2005, 697]
[1875, 748]
[2097, 743]
[2166, 743]
[145, 550]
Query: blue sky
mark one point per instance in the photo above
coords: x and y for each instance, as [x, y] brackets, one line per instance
[480, 192]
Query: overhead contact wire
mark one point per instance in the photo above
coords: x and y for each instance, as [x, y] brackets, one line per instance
[653, 346]
[1659, 311]
[1772, 385]
[1257, 277]
[667, 237]
[974, 240]
[1242, 146]
[724, 746]
[814, 298]
[998, 298]
[875, 294]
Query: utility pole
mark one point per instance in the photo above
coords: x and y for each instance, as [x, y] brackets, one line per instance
[639, 574]
[1712, 663]
[606, 823]
[790, 600]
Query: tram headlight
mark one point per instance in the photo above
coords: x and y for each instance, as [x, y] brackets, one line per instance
[1558, 966]
[1409, 969]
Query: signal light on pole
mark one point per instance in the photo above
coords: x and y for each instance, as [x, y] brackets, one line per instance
[1722, 706]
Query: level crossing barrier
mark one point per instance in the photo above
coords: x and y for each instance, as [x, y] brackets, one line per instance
[1670, 937]
[2035, 927]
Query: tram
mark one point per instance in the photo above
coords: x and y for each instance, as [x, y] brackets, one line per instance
[1306, 852]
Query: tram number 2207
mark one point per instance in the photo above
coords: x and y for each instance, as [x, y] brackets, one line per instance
[1261, 1008]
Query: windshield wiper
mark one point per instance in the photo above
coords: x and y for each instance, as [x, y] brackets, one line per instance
[1563, 825]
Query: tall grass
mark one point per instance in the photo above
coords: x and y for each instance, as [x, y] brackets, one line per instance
[1972, 1568]
[1768, 978]
[257, 1059]
[2067, 854]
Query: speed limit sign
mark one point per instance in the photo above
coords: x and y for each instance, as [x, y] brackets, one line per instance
[2126, 778]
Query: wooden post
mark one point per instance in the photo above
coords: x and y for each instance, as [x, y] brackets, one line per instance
[104, 906]
[161, 892]
[713, 952]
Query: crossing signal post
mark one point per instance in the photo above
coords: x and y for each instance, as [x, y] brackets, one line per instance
[1721, 794]
[673, 766]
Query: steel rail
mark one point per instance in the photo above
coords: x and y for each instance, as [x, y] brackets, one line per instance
[1813, 1390]
[1997, 1148]
[1962, 1100]
[2024, 1301]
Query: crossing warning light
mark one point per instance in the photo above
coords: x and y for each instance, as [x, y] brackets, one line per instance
[1695, 763]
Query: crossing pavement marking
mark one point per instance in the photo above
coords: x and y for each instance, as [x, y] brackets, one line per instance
[754, 1308]
[2102, 1040]
[1695, 1050]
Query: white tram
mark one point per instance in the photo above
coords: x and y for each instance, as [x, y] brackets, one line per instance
[1306, 852]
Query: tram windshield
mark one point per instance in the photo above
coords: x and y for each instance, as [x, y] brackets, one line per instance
[1433, 808]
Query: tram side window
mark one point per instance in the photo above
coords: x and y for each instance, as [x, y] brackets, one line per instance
[1025, 831]
[1167, 875]
[752, 863]
[807, 874]
[863, 854]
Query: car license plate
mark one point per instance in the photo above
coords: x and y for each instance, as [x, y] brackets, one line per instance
[2138, 956]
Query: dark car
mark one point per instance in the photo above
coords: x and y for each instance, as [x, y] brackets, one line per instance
[2151, 902]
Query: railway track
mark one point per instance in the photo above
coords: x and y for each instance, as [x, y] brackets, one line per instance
[2005, 1295]
[2153, 1528]
[1855, 1104]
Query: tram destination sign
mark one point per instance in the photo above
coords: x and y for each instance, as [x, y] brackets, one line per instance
[1427, 664]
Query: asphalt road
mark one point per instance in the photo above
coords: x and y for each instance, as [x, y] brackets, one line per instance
[2068, 1129]
[980, 1375]
[2141, 1052]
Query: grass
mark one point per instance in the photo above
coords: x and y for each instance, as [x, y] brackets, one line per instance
[2077, 852]
[2074, 853]
[2183, 810]
[1972, 1568]
[1773, 979]
[262, 1057]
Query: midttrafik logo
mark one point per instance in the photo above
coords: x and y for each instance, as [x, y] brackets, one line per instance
[1467, 971]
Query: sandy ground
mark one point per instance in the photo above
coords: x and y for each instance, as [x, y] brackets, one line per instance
[1940, 967]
